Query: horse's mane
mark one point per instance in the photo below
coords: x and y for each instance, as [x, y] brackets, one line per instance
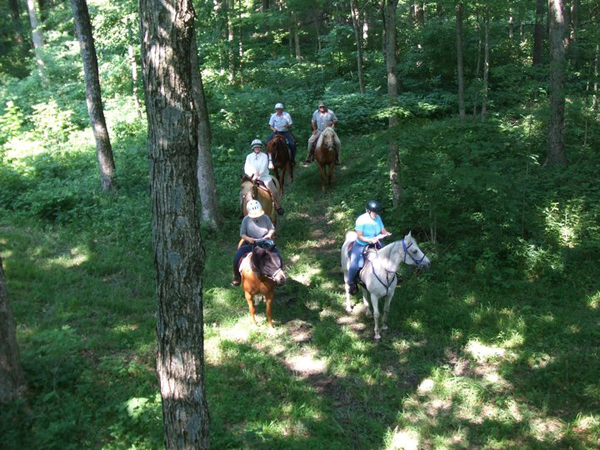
[245, 178]
[326, 136]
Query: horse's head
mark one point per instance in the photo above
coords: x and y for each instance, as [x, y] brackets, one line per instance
[412, 253]
[328, 138]
[267, 263]
[248, 188]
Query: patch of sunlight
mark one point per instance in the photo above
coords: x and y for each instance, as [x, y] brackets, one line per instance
[126, 328]
[481, 351]
[137, 406]
[416, 325]
[456, 335]
[328, 286]
[514, 411]
[574, 329]
[564, 221]
[586, 423]
[548, 318]
[306, 364]
[76, 257]
[540, 360]
[470, 300]
[403, 439]
[20, 150]
[515, 340]
[327, 312]
[426, 386]
[339, 216]
[305, 276]
[594, 301]
[547, 429]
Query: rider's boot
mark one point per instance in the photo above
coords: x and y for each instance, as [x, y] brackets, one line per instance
[352, 288]
[237, 277]
[280, 211]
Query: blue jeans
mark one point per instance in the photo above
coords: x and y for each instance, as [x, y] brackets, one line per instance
[289, 140]
[357, 261]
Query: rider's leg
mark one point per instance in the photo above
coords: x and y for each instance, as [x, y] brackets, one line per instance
[276, 196]
[356, 261]
[237, 278]
[291, 145]
[311, 140]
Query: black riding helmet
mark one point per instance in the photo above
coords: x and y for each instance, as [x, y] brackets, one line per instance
[374, 206]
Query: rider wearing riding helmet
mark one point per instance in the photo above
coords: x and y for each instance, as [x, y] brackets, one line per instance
[281, 122]
[255, 227]
[257, 168]
[322, 118]
[370, 230]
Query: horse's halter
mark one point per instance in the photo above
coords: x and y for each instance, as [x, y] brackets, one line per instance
[406, 252]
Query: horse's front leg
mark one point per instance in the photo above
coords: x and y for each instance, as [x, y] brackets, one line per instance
[365, 295]
[330, 174]
[386, 308]
[250, 305]
[269, 302]
[375, 304]
[323, 176]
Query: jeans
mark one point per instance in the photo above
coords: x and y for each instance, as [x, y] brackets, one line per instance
[357, 261]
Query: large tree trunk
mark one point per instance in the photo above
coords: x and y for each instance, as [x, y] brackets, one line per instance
[207, 187]
[392, 84]
[538, 33]
[459, 60]
[12, 380]
[556, 123]
[357, 37]
[93, 95]
[486, 63]
[167, 38]
[38, 40]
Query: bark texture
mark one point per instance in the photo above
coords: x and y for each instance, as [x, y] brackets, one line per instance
[207, 186]
[93, 95]
[392, 84]
[167, 37]
[556, 122]
[459, 62]
[357, 37]
[38, 40]
[12, 380]
[486, 64]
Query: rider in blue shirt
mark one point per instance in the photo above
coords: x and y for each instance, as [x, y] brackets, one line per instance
[370, 230]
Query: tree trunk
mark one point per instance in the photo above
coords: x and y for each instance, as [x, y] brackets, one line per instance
[392, 84]
[296, 37]
[486, 63]
[231, 40]
[478, 66]
[207, 187]
[15, 12]
[93, 95]
[12, 380]
[459, 60]
[595, 85]
[134, 78]
[167, 28]
[359, 60]
[574, 50]
[556, 123]
[538, 33]
[38, 40]
[419, 13]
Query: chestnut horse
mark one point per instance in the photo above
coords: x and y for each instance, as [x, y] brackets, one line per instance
[325, 153]
[261, 272]
[252, 190]
[282, 160]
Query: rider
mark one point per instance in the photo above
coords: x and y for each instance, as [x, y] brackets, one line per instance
[370, 230]
[257, 168]
[322, 118]
[281, 122]
[256, 226]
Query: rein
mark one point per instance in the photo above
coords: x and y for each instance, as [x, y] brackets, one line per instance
[387, 278]
[405, 248]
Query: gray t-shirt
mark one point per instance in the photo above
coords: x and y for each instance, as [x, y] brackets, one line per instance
[256, 228]
[323, 120]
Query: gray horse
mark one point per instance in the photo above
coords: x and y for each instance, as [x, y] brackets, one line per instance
[379, 274]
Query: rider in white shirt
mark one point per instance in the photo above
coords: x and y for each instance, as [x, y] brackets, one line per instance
[257, 168]
[281, 122]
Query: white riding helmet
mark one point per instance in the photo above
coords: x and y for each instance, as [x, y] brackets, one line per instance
[256, 142]
[279, 106]
[254, 209]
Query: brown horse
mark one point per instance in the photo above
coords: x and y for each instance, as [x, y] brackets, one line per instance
[282, 160]
[253, 190]
[325, 153]
[261, 272]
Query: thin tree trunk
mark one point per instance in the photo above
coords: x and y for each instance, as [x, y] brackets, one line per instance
[595, 98]
[486, 64]
[15, 12]
[167, 28]
[511, 25]
[38, 40]
[207, 187]
[574, 50]
[318, 31]
[556, 139]
[93, 95]
[459, 60]
[134, 72]
[296, 37]
[12, 380]
[231, 40]
[419, 13]
[392, 84]
[359, 60]
[240, 44]
[538, 33]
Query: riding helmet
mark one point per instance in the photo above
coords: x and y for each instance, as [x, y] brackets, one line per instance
[374, 206]
[279, 106]
[256, 142]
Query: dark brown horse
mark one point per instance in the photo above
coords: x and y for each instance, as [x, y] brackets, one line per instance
[261, 272]
[282, 160]
[325, 154]
[252, 190]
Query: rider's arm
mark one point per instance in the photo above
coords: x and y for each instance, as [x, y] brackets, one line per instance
[362, 237]
[248, 238]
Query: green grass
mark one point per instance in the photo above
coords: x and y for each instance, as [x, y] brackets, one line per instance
[496, 346]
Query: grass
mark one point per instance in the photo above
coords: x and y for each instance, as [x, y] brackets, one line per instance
[474, 358]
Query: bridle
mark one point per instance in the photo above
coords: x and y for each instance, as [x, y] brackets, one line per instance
[405, 248]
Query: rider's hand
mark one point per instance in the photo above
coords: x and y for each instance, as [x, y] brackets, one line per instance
[386, 234]
[314, 131]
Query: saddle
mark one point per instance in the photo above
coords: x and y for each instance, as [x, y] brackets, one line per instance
[366, 251]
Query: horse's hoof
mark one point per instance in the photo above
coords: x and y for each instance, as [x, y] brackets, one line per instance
[349, 309]
[377, 338]
[384, 328]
